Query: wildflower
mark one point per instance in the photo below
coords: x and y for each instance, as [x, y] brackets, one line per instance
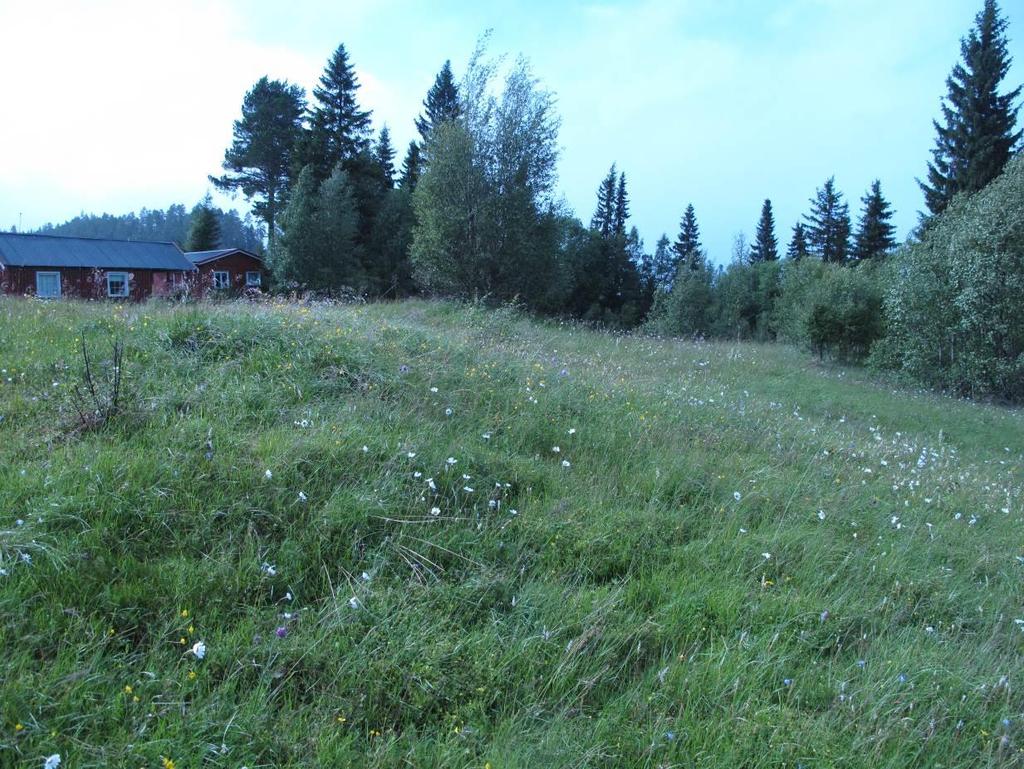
[268, 475]
[26, 558]
[737, 496]
[184, 613]
[191, 675]
[861, 664]
[199, 649]
[365, 577]
[403, 369]
[486, 436]
[302, 496]
[19, 522]
[269, 569]
[411, 455]
[824, 616]
[52, 762]
[366, 449]
[19, 727]
[127, 689]
[435, 511]
[433, 389]
[555, 449]
[766, 556]
[468, 489]
[354, 602]
[281, 632]
[821, 515]
[572, 431]
[902, 678]
[451, 461]
[166, 763]
[566, 463]
[787, 681]
[448, 411]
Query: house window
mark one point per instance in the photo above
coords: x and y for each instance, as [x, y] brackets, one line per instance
[253, 279]
[117, 284]
[48, 285]
[221, 279]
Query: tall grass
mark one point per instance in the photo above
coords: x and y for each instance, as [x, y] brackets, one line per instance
[734, 557]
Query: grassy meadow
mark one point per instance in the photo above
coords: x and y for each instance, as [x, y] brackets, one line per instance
[424, 534]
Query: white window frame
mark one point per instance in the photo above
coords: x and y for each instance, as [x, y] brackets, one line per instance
[49, 274]
[253, 279]
[221, 284]
[123, 276]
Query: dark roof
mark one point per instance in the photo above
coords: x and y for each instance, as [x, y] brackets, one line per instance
[20, 250]
[202, 257]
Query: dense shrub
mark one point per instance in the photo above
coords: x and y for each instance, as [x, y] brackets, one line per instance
[957, 296]
[745, 299]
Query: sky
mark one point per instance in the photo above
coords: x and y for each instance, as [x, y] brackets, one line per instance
[115, 105]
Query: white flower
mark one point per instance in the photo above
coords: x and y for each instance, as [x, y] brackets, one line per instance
[435, 511]
[199, 649]
[555, 449]
[353, 602]
[366, 449]
[451, 461]
[52, 762]
[411, 455]
[417, 474]
[468, 489]
[766, 556]
[737, 496]
[26, 558]
[486, 436]
[268, 475]
[448, 412]
[269, 569]
[513, 511]
[433, 389]
[572, 431]
[19, 522]
[302, 496]
[366, 577]
[821, 515]
[566, 463]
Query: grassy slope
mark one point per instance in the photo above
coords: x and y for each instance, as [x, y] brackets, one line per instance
[629, 614]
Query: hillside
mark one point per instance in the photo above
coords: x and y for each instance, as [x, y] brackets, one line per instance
[429, 535]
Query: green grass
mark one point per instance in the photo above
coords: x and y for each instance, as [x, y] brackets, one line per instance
[672, 598]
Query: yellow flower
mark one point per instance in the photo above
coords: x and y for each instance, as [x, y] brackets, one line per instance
[18, 727]
[191, 675]
[166, 762]
[191, 629]
[184, 614]
[128, 689]
[182, 641]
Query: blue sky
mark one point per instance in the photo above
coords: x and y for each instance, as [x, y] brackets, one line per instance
[115, 105]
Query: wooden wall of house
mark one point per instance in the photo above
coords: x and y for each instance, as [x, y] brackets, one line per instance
[234, 264]
[81, 283]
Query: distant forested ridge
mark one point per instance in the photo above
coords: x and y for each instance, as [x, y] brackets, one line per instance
[156, 224]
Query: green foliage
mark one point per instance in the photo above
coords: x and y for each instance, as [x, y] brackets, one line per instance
[673, 593]
[688, 309]
[384, 153]
[483, 221]
[688, 246]
[411, 168]
[745, 298]
[833, 309]
[317, 249]
[260, 158]
[957, 296]
[204, 233]
[798, 247]
[440, 105]
[977, 135]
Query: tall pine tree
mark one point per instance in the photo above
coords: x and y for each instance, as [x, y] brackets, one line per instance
[411, 168]
[828, 224]
[875, 232]
[385, 154]
[798, 249]
[765, 247]
[604, 219]
[441, 104]
[977, 135]
[687, 245]
[204, 233]
[339, 129]
[259, 161]
[621, 206]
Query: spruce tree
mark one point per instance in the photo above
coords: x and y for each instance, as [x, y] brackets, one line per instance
[828, 224]
[765, 247]
[875, 232]
[411, 168]
[294, 256]
[664, 264]
[204, 233]
[797, 249]
[339, 129]
[687, 245]
[977, 135]
[259, 160]
[337, 224]
[604, 220]
[621, 206]
[441, 104]
[385, 154]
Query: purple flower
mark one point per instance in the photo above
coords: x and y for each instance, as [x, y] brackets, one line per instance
[282, 631]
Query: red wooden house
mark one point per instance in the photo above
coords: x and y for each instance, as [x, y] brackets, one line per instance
[52, 266]
[228, 269]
